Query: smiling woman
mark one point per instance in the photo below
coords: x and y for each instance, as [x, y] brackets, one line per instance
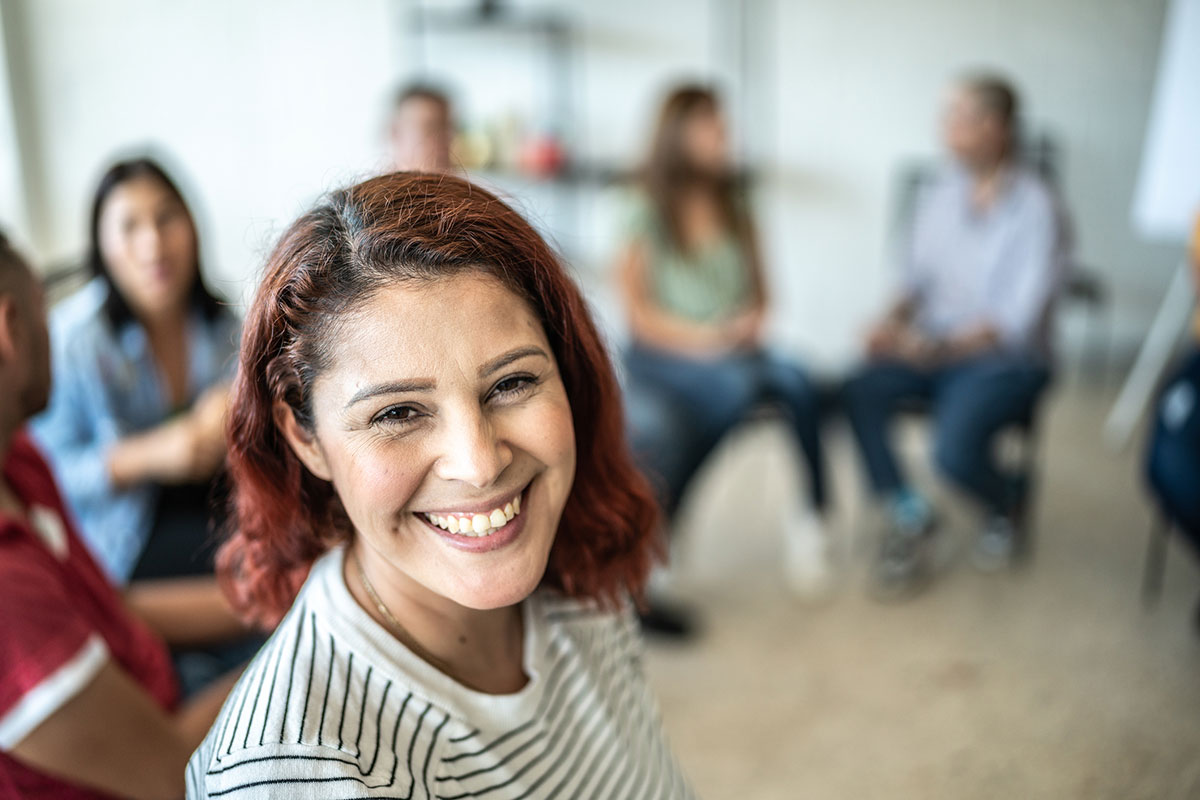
[431, 489]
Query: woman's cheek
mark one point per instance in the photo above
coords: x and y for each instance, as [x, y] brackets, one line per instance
[380, 482]
[562, 424]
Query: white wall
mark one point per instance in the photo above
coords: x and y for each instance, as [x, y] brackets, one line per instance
[268, 103]
[264, 104]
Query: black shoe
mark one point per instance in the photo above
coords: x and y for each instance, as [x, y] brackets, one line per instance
[903, 566]
[668, 621]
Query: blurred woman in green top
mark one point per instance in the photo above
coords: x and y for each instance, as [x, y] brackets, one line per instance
[692, 282]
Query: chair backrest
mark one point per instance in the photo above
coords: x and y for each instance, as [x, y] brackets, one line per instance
[62, 279]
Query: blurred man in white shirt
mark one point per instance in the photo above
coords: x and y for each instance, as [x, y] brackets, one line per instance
[969, 334]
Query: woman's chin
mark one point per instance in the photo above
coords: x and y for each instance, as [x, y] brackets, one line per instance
[491, 595]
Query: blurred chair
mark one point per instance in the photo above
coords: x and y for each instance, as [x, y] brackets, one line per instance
[1156, 559]
[1154, 569]
[62, 278]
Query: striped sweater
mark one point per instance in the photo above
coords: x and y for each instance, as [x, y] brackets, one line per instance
[334, 707]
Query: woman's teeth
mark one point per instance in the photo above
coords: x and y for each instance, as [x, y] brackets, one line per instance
[477, 524]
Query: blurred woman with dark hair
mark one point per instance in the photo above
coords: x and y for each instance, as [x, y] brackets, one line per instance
[694, 289]
[142, 357]
[431, 489]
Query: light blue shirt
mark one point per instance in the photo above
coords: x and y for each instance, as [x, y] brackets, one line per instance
[106, 387]
[1002, 266]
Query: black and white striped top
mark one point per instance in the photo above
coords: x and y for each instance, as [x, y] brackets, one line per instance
[334, 707]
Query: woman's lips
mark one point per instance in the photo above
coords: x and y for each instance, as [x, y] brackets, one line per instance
[481, 531]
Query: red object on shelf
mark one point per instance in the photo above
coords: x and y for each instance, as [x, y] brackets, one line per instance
[543, 156]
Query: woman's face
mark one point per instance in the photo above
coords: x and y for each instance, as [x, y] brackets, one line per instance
[443, 424]
[704, 140]
[149, 245]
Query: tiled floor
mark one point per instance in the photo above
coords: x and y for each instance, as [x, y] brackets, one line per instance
[1052, 682]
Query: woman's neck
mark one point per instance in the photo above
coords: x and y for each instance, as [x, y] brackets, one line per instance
[483, 650]
[167, 335]
[700, 219]
[165, 323]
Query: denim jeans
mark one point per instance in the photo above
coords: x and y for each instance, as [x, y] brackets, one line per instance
[679, 409]
[1173, 457]
[969, 402]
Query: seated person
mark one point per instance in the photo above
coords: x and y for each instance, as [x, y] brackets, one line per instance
[969, 334]
[445, 504]
[693, 286]
[143, 355]
[1173, 456]
[421, 129]
[89, 704]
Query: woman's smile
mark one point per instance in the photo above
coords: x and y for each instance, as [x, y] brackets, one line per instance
[480, 527]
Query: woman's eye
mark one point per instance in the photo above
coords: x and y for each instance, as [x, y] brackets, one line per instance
[515, 385]
[169, 215]
[397, 415]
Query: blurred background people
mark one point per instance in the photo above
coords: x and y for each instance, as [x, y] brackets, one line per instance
[1173, 454]
[693, 288]
[828, 105]
[969, 334]
[143, 355]
[421, 129]
[89, 703]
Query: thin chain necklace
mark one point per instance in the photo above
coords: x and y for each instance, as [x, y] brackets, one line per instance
[398, 630]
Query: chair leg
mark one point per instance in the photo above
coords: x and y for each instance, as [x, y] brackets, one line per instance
[1156, 561]
[1025, 513]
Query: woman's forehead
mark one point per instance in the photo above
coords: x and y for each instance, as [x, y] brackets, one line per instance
[141, 192]
[427, 328]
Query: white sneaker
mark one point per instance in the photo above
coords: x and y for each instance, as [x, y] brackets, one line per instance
[806, 561]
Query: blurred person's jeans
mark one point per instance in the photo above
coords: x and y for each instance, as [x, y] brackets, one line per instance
[1173, 459]
[679, 408]
[969, 403]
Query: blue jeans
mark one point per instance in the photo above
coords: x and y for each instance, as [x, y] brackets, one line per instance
[1173, 458]
[680, 408]
[970, 402]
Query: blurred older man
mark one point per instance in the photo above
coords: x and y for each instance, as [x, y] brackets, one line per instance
[968, 336]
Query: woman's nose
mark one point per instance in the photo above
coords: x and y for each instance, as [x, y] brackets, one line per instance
[472, 451]
[149, 242]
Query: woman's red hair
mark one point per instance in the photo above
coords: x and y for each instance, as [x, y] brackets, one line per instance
[413, 227]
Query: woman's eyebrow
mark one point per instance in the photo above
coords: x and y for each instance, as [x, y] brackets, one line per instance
[427, 385]
[395, 387]
[497, 364]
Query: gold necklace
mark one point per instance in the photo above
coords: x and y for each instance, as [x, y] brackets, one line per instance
[398, 630]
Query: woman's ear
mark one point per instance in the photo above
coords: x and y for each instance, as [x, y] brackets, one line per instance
[303, 443]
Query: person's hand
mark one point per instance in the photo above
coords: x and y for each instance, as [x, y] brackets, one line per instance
[885, 338]
[917, 349]
[189, 448]
[170, 453]
[194, 443]
[207, 422]
[744, 331]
